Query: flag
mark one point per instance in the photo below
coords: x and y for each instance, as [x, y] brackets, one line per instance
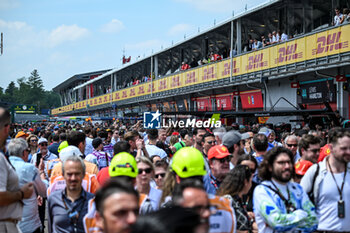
[126, 60]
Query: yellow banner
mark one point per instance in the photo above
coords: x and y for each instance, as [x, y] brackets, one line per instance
[326, 43]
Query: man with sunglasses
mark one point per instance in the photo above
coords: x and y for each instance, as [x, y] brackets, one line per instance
[291, 143]
[45, 154]
[309, 148]
[219, 163]
[208, 141]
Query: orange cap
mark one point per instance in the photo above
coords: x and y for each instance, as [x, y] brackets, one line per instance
[302, 166]
[218, 152]
[21, 134]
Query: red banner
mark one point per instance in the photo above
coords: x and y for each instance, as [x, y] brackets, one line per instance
[224, 102]
[204, 104]
[251, 99]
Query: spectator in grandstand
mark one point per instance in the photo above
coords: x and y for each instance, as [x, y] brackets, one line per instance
[98, 156]
[53, 148]
[185, 66]
[291, 143]
[11, 194]
[346, 16]
[219, 164]
[275, 38]
[269, 39]
[309, 148]
[32, 141]
[215, 57]
[264, 41]
[190, 194]
[338, 17]
[236, 184]
[328, 180]
[257, 44]
[151, 147]
[281, 205]
[160, 169]
[284, 37]
[117, 206]
[67, 208]
[28, 173]
[232, 141]
[143, 184]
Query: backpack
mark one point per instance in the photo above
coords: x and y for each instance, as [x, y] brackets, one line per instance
[311, 193]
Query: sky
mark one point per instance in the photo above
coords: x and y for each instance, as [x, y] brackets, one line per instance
[61, 38]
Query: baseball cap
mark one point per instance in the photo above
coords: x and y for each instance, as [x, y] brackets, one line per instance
[68, 151]
[302, 166]
[245, 136]
[266, 131]
[41, 140]
[218, 152]
[21, 134]
[56, 127]
[231, 138]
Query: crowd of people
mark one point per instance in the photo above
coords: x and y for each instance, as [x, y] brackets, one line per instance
[124, 178]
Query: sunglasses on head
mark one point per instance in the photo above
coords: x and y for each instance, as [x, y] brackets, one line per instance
[147, 170]
[157, 176]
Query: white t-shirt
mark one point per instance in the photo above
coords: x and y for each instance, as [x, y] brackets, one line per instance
[327, 205]
[154, 150]
[337, 19]
[9, 182]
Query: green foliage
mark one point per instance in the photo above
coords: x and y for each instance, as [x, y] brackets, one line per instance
[30, 91]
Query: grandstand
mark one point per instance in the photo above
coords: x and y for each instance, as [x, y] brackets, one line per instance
[307, 71]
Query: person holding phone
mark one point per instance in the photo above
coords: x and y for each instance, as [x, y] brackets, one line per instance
[27, 172]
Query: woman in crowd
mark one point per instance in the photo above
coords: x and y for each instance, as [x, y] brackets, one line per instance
[143, 185]
[159, 173]
[251, 162]
[236, 184]
[32, 141]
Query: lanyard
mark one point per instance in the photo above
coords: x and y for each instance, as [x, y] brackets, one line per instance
[340, 190]
[214, 182]
[280, 194]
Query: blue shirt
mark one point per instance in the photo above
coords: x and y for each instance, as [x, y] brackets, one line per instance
[60, 207]
[211, 184]
[27, 172]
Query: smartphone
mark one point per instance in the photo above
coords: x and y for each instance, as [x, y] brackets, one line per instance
[38, 158]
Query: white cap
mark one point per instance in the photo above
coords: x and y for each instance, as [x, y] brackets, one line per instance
[41, 140]
[68, 151]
